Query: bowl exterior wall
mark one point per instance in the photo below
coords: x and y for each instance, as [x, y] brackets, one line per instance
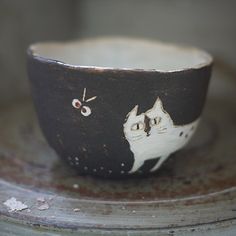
[85, 113]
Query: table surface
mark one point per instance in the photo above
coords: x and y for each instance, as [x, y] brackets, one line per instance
[194, 191]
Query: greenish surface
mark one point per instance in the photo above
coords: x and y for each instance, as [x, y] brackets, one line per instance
[10, 229]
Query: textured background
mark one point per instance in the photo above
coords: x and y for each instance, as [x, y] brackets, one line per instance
[23, 22]
[208, 24]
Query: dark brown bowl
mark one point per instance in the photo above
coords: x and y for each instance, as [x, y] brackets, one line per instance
[116, 106]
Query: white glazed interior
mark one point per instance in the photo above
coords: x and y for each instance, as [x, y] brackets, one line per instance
[123, 53]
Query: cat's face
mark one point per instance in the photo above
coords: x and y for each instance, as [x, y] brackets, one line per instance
[155, 120]
[134, 128]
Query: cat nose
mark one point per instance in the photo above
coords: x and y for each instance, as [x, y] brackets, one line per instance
[146, 130]
[147, 126]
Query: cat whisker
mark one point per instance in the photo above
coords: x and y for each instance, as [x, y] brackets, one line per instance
[135, 138]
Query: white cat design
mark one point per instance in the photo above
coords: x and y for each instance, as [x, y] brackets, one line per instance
[154, 135]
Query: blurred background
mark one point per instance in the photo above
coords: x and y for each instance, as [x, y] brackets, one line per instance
[206, 24]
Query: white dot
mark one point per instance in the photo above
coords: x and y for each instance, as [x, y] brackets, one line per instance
[76, 210]
[94, 170]
[77, 163]
[133, 211]
[123, 208]
[76, 158]
[84, 149]
[102, 168]
[153, 216]
[85, 168]
[122, 164]
[122, 172]
[75, 186]
[110, 171]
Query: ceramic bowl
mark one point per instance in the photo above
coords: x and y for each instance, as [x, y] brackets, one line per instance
[114, 106]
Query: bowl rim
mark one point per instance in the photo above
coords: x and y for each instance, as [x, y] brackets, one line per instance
[31, 53]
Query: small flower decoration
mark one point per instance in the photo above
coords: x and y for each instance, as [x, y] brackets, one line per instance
[84, 109]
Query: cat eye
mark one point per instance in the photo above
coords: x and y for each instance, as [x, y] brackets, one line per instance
[85, 111]
[155, 121]
[76, 103]
[137, 126]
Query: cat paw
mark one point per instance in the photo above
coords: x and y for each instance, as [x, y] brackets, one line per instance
[159, 163]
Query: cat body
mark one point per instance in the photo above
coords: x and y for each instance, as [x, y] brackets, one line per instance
[153, 135]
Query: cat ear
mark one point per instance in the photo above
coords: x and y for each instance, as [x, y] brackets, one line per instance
[133, 112]
[158, 104]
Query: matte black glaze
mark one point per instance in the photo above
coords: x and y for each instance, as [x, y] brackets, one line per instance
[98, 140]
